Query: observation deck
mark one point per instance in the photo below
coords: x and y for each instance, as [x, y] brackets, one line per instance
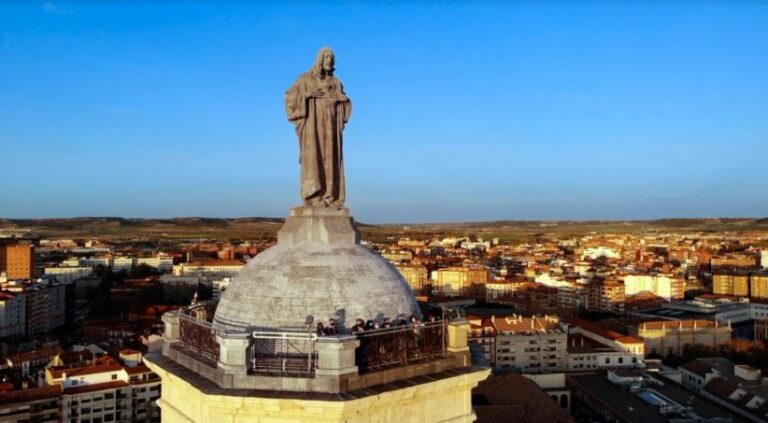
[258, 355]
[305, 362]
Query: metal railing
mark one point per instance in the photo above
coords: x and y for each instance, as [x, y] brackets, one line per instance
[292, 354]
[199, 337]
[400, 345]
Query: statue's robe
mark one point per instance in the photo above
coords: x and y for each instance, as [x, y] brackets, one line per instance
[319, 125]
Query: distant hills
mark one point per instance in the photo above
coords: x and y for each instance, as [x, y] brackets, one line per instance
[261, 227]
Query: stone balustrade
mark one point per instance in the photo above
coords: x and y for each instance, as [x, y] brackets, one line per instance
[333, 365]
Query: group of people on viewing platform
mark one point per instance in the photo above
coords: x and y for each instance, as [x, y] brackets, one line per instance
[371, 325]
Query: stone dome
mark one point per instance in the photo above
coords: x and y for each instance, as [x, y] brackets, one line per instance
[318, 268]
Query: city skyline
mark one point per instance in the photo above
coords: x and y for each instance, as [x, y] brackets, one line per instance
[461, 112]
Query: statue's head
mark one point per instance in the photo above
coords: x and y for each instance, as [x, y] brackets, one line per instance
[325, 62]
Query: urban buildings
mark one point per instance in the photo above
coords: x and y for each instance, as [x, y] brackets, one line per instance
[12, 314]
[39, 404]
[731, 283]
[17, 261]
[629, 298]
[739, 388]
[416, 275]
[604, 295]
[529, 343]
[459, 280]
[665, 337]
[216, 268]
[666, 287]
[627, 395]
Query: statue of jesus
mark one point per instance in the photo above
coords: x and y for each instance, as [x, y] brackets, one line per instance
[319, 108]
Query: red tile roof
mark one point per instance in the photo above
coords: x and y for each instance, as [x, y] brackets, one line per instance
[513, 390]
[41, 354]
[605, 333]
[142, 368]
[32, 394]
[83, 371]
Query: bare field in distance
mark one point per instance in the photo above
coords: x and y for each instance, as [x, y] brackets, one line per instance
[264, 228]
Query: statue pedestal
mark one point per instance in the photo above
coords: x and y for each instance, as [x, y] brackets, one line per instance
[319, 224]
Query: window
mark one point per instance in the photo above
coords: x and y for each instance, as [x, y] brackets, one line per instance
[607, 360]
[621, 360]
[114, 376]
[109, 395]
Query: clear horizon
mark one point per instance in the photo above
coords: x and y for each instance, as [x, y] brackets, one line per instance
[404, 222]
[462, 112]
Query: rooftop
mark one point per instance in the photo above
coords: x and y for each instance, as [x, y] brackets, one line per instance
[95, 387]
[31, 394]
[656, 399]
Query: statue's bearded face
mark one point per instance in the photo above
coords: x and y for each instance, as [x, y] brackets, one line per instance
[328, 60]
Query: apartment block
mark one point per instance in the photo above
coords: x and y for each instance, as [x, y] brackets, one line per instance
[586, 353]
[39, 404]
[108, 392]
[67, 274]
[225, 268]
[45, 304]
[416, 275]
[17, 261]
[12, 314]
[530, 344]
[604, 295]
[731, 283]
[758, 285]
[459, 280]
[669, 288]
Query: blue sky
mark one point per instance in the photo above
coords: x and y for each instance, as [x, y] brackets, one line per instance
[462, 111]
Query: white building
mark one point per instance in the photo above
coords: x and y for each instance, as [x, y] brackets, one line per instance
[94, 261]
[595, 252]
[764, 259]
[12, 314]
[68, 274]
[225, 268]
[531, 344]
[633, 345]
[219, 286]
[122, 263]
[107, 392]
[500, 288]
[161, 262]
[660, 285]
[45, 304]
[586, 353]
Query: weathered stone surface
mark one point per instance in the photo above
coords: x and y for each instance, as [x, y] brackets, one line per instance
[322, 224]
[319, 109]
[439, 397]
[318, 268]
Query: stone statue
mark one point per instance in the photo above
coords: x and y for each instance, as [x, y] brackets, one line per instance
[318, 107]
